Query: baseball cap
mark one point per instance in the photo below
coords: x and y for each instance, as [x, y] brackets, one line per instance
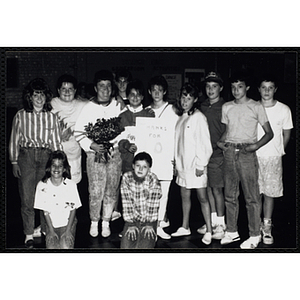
[215, 77]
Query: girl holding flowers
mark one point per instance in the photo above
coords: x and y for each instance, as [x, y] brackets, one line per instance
[103, 164]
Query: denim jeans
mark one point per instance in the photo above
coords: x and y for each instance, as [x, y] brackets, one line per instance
[141, 242]
[32, 163]
[241, 166]
[104, 181]
[61, 242]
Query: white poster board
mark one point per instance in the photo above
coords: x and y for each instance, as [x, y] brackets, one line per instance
[156, 137]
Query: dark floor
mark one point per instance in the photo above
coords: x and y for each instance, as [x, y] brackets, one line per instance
[284, 220]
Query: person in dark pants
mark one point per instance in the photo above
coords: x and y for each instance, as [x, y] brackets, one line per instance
[35, 133]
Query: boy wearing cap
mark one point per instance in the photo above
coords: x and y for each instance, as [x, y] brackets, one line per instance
[212, 109]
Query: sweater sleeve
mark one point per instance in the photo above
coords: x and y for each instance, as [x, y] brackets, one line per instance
[14, 140]
[203, 143]
[56, 136]
[80, 135]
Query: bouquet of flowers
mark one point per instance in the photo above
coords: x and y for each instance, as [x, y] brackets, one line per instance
[102, 132]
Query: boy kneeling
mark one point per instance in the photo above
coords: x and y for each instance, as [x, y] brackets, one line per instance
[141, 193]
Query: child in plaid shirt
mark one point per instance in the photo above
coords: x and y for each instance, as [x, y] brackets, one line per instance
[141, 193]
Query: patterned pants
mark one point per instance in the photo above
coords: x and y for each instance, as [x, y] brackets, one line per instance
[104, 181]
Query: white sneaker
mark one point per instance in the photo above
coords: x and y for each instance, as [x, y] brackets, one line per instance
[181, 231]
[230, 237]
[219, 232]
[105, 229]
[162, 234]
[266, 230]
[115, 216]
[164, 224]
[94, 229]
[206, 238]
[37, 232]
[251, 243]
[202, 230]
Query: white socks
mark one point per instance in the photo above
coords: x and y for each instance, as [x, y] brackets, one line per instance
[213, 218]
[28, 237]
[105, 223]
[220, 221]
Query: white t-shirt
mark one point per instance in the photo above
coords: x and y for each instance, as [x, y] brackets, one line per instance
[59, 201]
[280, 119]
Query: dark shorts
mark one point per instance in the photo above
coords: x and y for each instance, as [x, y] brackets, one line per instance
[215, 172]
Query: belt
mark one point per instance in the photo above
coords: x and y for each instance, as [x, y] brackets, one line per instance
[237, 145]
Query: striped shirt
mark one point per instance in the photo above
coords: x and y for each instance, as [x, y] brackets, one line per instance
[140, 200]
[34, 130]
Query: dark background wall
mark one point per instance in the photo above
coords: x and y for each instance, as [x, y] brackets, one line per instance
[22, 66]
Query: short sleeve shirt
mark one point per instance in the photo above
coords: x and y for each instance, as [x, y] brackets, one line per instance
[242, 120]
[59, 201]
[280, 119]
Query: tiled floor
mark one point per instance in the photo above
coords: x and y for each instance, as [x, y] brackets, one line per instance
[284, 230]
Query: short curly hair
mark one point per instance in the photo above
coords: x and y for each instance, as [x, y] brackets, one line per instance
[37, 84]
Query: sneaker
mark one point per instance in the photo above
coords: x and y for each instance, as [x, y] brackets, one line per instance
[230, 237]
[219, 232]
[105, 229]
[115, 216]
[164, 224]
[37, 232]
[251, 243]
[94, 229]
[181, 232]
[266, 233]
[162, 234]
[207, 238]
[202, 230]
[29, 244]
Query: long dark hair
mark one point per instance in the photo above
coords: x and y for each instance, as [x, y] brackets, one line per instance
[37, 84]
[61, 156]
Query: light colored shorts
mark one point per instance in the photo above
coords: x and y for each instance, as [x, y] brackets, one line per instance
[189, 180]
[270, 176]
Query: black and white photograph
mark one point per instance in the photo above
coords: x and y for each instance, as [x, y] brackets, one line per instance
[151, 149]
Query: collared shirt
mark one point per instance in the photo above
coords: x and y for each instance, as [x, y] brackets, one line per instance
[140, 199]
[34, 129]
[213, 114]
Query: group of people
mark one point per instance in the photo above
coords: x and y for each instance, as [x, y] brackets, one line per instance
[216, 144]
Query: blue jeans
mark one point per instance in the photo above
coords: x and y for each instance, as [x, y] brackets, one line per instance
[241, 166]
[32, 163]
[140, 242]
[104, 181]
